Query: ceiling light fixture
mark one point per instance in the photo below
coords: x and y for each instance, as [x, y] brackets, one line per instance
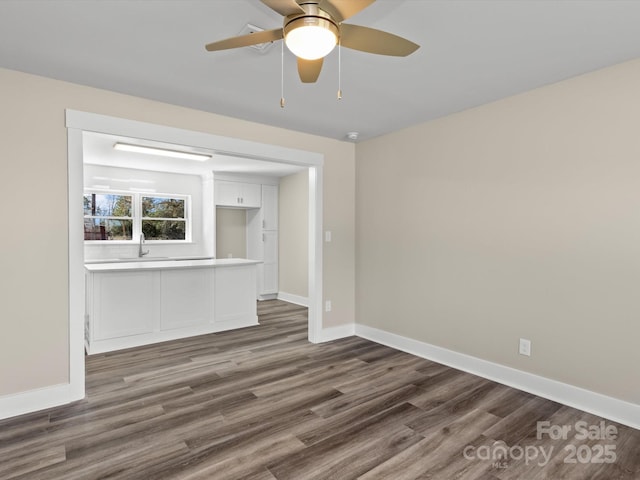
[163, 152]
[311, 37]
[311, 29]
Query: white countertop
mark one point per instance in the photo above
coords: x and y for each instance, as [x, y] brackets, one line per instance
[105, 266]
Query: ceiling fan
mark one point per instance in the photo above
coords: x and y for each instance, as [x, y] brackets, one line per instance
[312, 28]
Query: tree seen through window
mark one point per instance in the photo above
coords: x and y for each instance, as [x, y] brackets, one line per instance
[112, 216]
[163, 218]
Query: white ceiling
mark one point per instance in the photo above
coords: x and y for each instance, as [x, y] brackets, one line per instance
[472, 52]
[98, 150]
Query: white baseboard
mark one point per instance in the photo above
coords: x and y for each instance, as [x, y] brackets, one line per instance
[291, 298]
[586, 400]
[35, 400]
[335, 333]
[268, 296]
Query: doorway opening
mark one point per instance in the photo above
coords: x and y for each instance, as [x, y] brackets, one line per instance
[80, 123]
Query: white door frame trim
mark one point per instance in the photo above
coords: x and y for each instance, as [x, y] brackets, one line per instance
[78, 122]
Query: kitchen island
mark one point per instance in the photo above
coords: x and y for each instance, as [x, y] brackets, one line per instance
[134, 303]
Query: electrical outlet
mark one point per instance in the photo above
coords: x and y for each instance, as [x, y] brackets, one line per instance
[327, 306]
[327, 236]
[525, 347]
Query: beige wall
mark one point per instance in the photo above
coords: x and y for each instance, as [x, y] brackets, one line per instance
[293, 246]
[231, 233]
[520, 218]
[33, 180]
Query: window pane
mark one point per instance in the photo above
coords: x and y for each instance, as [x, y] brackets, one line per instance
[162, 207]
[107, 205]
[164, 229]
[107, 229]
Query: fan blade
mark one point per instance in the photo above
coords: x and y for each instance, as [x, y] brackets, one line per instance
[340, 10]
[246, 40]
[371, 40]
[309, 70]
[284, 7]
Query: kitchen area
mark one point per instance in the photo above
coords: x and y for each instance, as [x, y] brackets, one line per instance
[181, 241]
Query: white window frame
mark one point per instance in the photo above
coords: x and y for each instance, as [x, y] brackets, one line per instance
[137, 216]
[113, 217]
[187, 215]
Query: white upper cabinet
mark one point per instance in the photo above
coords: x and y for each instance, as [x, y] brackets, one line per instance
[238, 194]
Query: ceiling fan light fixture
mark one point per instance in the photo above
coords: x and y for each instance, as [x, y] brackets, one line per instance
[311, 38]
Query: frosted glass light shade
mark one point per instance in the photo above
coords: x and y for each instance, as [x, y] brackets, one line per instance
[163, 152]
[311, 38]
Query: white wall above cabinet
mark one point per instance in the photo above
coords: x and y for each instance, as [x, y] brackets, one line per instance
[238, 194]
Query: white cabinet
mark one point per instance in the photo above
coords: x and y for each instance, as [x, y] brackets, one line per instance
[262, 242]
[129, 306]
[270, 262]
[237, 194]
[269, 207]
[123, 304]
[235, 304]
[187, 298]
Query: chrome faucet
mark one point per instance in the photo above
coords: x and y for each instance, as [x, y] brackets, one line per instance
[142, 253]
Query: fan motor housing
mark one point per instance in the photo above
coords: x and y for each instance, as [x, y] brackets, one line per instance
[311, 21]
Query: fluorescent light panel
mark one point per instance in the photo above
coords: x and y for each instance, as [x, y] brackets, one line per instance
[163, 152]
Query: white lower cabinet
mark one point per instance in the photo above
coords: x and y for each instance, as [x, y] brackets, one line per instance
[270, 262]
[129, 308]
[233, 303]
[124, 304]
[187, 298]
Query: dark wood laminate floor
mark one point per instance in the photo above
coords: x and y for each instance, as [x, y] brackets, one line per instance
[264, 404]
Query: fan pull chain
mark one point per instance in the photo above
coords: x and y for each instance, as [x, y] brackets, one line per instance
[281, 74]
[339, 70]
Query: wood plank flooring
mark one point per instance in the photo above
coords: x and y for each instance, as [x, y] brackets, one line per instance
[263, 404]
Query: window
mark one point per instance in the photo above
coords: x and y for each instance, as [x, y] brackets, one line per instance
[163, 218]
[117, 216]
[108, 217]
